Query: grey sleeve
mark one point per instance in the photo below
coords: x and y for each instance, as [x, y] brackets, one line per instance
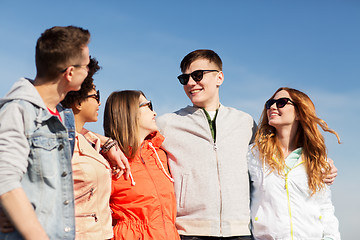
[14, 147]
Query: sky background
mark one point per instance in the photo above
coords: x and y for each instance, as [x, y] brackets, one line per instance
[313, 46]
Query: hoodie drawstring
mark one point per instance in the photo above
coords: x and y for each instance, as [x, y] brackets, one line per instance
[132, 179]
[162, 166]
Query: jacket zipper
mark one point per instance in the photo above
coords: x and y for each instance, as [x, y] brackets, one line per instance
[288, 198]
[88, 215]
[157, 192]
[91, 191]
[218, 172]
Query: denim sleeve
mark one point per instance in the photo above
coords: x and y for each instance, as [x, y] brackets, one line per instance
[14, 147]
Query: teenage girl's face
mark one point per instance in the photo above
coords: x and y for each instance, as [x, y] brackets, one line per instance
[282, 117]
[90, 107]
[147, 122]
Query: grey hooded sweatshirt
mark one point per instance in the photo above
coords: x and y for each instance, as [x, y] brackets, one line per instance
[211, 177]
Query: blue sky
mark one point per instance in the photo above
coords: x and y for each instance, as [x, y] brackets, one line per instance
[309, 45]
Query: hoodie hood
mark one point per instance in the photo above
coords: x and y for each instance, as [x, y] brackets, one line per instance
[23, 90]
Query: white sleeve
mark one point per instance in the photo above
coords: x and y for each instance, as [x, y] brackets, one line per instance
[330, 222]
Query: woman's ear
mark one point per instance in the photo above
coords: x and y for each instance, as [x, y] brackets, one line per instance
[76, 107]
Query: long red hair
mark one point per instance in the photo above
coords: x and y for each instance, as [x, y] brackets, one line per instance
[308, 137]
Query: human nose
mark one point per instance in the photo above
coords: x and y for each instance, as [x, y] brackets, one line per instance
[191, 81]
[273, 106]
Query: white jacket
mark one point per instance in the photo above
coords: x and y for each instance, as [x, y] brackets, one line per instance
[282, 206]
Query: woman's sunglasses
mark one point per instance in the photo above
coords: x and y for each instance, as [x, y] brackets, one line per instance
[96, 96]
[196, 75]
[280, 103]
[148, 104]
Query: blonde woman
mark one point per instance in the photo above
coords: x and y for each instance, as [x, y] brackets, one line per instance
[287, 166]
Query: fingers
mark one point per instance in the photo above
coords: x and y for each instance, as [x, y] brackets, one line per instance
[117, 172]
[125, 164]
[333, 169]
[329, 180]
[118, 161]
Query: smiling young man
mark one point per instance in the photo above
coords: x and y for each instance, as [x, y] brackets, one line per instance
[37, 139]
[207, 145]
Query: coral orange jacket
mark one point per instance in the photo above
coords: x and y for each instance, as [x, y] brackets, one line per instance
[146, 210]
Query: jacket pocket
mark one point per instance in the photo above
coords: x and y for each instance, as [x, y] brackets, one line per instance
[87, 226]
[88, 215]
[43, 157]
[85, 196]
[183, 189]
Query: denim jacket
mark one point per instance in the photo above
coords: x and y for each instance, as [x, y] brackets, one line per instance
[35, 154]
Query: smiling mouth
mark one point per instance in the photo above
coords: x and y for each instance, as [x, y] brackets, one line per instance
[195, 91]
[273, 115]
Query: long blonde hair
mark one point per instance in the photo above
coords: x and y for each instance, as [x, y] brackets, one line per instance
[121, 120]
[308, 136]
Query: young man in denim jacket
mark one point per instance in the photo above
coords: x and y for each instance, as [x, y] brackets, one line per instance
[37, 139]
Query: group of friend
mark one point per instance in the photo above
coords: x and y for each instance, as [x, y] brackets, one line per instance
[204, 172]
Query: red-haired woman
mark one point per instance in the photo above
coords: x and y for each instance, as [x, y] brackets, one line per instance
[287, 166]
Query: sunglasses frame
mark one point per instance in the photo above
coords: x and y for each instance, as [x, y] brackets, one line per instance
[184, 78]
[279, 103]
[148, 104]
[95, 96]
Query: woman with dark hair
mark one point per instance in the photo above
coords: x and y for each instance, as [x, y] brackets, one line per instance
[287, 165]
[145, 207]
[91, 172]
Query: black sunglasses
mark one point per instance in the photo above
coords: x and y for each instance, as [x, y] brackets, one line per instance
[196, 75]
[96, 96]
[148, 104]
[280, 103]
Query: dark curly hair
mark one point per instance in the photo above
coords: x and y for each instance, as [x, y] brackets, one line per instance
[88, 85]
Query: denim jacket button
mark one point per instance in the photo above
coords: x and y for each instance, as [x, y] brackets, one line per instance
[66, 202]
[64, 174]
[61, 146]
[67, 229]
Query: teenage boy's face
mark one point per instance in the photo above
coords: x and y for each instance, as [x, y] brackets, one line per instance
[205, 93]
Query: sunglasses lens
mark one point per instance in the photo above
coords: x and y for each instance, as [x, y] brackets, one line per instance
[280, 103]
[197, 75]
[98, 96]
[269, 103]
[150, 106]
[184, 78]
